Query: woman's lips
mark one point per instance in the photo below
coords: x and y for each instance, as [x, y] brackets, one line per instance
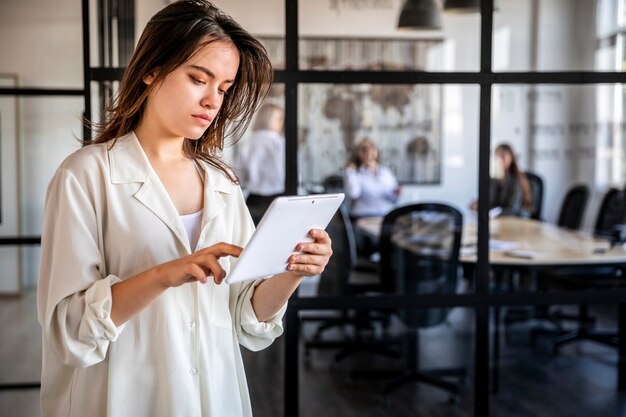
[203, 119]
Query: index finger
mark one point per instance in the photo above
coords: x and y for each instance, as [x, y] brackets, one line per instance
[225, 249]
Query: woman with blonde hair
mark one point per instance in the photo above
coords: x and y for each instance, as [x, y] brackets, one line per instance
[371, 186]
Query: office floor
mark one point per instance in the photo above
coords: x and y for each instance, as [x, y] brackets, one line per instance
[534, 382]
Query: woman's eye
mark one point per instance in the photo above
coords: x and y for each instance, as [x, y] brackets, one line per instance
[197, 80]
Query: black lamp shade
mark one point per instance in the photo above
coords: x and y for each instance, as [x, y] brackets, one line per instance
[420, 15]
[462, 6]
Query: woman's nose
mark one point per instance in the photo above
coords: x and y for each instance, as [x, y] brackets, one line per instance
[211, 100]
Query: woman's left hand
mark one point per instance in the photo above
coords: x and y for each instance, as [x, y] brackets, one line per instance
[315, 255]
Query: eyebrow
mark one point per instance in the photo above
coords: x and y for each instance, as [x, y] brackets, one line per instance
[209, 73]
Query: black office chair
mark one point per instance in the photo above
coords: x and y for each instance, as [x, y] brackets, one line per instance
[536, 189]
[611, 213]
[333, 184]
[419, 247]
[610, 225]
[337, 280]
[334, 280]
[570, 216]
[573, 207]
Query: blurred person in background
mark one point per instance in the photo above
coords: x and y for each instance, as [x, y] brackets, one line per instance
[510, 191]
[260, 163]
[371, 187]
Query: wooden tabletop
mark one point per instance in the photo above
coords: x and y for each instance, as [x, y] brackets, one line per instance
[526, 242]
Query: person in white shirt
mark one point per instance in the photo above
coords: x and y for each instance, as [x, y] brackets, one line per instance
[372, 189]
[141, 226]
[260, 163]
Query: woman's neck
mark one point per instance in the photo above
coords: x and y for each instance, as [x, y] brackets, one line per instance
[371, 166]
[158, 146]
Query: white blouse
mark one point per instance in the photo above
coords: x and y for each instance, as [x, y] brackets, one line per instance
[261, 163]
[108, 217]
[372, 194]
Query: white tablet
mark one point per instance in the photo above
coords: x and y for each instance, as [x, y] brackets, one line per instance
[286, 223]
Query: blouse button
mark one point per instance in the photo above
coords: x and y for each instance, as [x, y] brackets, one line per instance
[193, 371]
[192, 323]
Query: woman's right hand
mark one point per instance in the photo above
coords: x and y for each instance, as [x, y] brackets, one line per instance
[197, 266]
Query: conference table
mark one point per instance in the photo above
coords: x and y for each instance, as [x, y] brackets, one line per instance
[514, 241]
[517, 243]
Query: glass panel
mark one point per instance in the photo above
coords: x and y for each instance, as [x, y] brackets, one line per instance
[608, 17]
[44, 142]
[403, 121]
[364, 36]
[555, 35]
[10, 282]
[258, 158]
[568, 140]
[411, 137]
[265, 20]
[268, 25]
[420, 250]
[42, 44]
[371, 359]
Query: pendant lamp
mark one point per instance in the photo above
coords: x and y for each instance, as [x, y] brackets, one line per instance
[420, 15]
[461, 6]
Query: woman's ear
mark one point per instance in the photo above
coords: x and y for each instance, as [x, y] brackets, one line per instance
[149, 78]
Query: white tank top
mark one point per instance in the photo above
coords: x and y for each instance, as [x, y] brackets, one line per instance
[192, 224]
[193, 221]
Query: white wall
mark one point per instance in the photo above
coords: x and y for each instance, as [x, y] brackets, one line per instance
[41, 42]
[566, 41]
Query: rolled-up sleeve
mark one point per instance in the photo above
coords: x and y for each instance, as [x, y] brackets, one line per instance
[74, 294]
[253, 334]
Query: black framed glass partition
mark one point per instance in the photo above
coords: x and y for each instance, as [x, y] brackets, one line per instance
[481, 79]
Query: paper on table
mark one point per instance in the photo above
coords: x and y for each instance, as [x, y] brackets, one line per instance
[468, 251]
[495, 212]
[502, 244]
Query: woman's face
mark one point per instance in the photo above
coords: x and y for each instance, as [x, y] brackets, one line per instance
[185, 103]
[368, 152]
[277, 121]
[505, 159]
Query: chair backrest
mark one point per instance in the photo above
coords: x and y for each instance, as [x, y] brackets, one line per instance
[536, 189]
[333, 184]
[611, 213]
[419, 254]
[573, 207]
[334, 279]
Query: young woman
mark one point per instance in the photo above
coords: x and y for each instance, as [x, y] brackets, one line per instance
[141, 227]
[372, 189]
[510, 189]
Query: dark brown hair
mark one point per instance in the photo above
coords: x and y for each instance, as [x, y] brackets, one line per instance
[169, 39]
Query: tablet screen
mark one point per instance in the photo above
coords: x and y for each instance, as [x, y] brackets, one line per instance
[286, 223]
